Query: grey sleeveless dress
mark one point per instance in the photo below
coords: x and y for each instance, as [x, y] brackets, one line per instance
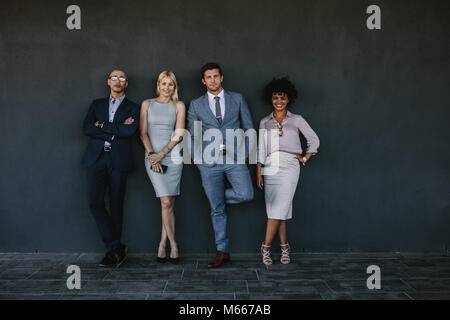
[161, 122]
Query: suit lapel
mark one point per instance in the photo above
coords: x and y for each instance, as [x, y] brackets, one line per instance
[229, 108]
[120, 108]
[105, 110]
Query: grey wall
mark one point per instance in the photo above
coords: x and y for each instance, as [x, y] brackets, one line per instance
[378, 100]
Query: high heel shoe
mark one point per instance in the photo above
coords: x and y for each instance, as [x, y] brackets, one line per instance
[161, 259]
[175, 260]
[266, 258]
[285, 258]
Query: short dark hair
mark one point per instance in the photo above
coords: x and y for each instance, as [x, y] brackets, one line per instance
[282, 85]
[210, 66]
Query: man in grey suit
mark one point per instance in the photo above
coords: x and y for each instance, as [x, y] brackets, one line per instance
[221, 110]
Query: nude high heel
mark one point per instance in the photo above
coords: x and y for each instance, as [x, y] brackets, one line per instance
[285, 258]
[265, 251]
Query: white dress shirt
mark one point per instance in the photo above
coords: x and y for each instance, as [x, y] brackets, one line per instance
[112, 112]
[212, 103]
[212, 106]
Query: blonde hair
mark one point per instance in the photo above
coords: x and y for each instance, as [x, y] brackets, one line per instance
[171, 75]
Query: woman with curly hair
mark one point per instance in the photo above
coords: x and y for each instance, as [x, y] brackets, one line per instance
[279, 158]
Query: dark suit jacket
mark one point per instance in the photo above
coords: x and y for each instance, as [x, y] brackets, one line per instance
[121, 154]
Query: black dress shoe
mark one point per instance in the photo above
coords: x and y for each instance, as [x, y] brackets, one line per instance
[109, 260]
[120, 253]
[174, 260]
[161, 260]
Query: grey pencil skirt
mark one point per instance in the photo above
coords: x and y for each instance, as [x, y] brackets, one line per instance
[281, 174]
[167, 184]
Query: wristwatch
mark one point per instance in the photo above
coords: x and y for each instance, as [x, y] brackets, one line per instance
[100, 123]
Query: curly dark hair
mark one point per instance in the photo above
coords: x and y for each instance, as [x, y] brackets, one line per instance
[282, 85]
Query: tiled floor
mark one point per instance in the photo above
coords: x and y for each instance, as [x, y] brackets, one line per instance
[309, 276]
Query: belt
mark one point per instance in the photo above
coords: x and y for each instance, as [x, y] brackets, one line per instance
[106, 149]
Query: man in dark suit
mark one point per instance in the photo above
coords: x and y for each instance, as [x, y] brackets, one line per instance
[110, 123]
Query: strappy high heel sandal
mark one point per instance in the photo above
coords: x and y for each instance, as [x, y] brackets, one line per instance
[266, 258]
[285, 258]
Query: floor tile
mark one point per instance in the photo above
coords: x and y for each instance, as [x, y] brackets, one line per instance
[282, 296]
[220, 274]
[361, 286]
[144, 274]
[429, 285]
[206, 286]
[289, 286]
[309, 276]
[117, 287]
[366, 296]
[17, 273]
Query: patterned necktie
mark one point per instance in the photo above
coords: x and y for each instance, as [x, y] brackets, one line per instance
[113, 103]
[218, 111]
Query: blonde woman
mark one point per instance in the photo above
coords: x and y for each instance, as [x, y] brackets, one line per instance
[162, 121]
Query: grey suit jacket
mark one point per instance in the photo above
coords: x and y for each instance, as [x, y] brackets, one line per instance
[237, 115]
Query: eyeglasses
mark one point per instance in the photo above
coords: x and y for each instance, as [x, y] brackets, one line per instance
[114, 78]
[280, 129]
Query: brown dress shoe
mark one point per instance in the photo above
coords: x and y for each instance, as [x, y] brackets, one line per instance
[219, 259]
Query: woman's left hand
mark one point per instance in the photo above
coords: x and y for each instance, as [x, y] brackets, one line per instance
[299, 158]
[155, 157]
[157, 167]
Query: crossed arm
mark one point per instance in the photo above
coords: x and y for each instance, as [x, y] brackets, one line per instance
[125, 129]
[91, 129]
[107, 131]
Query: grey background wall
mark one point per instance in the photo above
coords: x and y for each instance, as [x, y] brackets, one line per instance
[379, 101]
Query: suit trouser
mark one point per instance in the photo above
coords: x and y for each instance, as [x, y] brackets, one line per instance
[213, 180]
[102, 177]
